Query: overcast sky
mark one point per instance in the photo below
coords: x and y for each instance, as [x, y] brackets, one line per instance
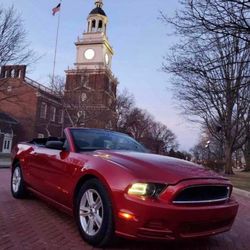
[139, 38]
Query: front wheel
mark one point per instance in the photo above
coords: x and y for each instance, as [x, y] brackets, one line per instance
[94, 213]
[17, 183]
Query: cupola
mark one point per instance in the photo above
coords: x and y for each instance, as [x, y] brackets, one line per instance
[97, 19]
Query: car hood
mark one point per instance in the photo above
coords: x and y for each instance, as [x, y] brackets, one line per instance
[157, 168]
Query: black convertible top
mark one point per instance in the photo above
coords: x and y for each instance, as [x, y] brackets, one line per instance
[41, 142]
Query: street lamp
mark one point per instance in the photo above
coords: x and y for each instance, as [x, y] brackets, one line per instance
[208, 149]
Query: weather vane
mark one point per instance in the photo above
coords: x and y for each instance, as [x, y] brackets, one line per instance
[99, 3]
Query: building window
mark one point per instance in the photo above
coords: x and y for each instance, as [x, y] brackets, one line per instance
[43, 110]
[88, 26]
[40, 135]
[60, 116]
[9, 89]
[52, 113]
[7, 143]
[81, 114]
[83, 97]
[93, 25]
[19, 73]
[100, 25]
[84, 81]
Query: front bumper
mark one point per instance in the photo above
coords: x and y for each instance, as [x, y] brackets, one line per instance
[154, 219]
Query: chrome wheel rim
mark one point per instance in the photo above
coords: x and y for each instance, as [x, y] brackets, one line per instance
[16, 179]
[91, 212]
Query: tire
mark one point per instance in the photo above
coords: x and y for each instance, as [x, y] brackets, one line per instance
[18, 189]
[94, 214]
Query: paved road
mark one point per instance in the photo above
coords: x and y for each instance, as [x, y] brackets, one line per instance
[31, 224]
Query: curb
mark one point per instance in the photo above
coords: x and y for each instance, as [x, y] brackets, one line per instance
[241, 192]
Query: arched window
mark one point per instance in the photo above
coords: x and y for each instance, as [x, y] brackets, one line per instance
[88, 26]
[100, 25]
[43, 110]
[19, 73]
[12, 73]
[9, 89]
[93, 25]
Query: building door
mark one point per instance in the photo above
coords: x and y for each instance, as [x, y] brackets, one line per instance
[7, 143]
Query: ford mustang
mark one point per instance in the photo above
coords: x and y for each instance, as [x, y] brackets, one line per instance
[113, 186]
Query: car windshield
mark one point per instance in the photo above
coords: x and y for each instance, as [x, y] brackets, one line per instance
[91, 139]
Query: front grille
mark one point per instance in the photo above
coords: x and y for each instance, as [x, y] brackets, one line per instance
[202, 194]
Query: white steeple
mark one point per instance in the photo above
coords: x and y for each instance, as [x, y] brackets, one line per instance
[93, 49]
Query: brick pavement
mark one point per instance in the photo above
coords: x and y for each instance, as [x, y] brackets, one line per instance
[32, 224]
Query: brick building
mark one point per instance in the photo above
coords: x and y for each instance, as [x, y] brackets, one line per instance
[30, 109]
[91, 80]
[37, 111]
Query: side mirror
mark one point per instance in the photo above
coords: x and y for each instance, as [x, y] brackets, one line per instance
[54, 145]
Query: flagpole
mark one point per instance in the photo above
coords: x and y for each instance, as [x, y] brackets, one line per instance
[55, 54]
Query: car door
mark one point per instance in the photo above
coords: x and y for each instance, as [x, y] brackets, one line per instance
[60, 172]
[38, 169]
[55, 173]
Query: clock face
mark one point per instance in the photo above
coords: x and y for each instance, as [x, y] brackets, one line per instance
[89, 54]
[106, 58]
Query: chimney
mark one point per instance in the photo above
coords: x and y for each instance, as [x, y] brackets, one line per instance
[13, 71]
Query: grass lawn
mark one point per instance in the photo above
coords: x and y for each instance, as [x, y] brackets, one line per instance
[241, 180]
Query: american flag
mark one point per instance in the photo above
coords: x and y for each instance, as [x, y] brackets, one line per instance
[56, 9]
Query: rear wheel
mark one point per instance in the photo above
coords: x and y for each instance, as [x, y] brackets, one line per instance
[17, 183]
[94, 213]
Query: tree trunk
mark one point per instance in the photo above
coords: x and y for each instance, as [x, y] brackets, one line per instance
[246, 153]
[228, 159]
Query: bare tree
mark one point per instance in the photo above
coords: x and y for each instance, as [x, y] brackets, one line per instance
[223, 17]
[138, 122]
[246, 145]
[13, 46]
[213, 85]
[209, 148]
[141, 125]
[124, 104]
[13, 50]
[160, 138]
[212, 73]
[72, 100]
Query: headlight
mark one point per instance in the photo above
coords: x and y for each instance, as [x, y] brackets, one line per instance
[146, 189]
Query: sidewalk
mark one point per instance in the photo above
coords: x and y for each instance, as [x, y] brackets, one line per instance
[5, 160]
[241, 192]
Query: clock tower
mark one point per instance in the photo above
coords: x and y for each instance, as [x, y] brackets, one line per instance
[90, 89]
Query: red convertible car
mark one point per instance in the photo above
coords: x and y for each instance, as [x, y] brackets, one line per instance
[113, 186]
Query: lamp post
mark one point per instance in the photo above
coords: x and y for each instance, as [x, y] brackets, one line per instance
[208, 150]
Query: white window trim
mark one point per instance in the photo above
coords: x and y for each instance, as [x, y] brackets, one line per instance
[43, 114]
[53, 114]
[61, 117]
